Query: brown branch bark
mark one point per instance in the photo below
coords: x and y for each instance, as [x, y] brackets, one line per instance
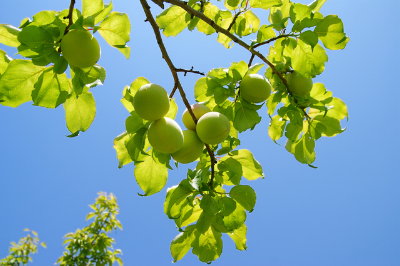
[69, 16]
[177, 85]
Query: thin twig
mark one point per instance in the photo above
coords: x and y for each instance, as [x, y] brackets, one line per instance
[273, 39]
[234, 20]
[177, 85]
[70, 16]
[185, 71]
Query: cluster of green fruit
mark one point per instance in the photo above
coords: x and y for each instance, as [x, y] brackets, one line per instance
[80, 48]
[255, 88]
[151, 102]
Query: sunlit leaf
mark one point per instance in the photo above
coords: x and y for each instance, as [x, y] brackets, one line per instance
[182, 243]
[244, 195]
[173, 20]
[207, 245]
[330, 31]
[17, 82]
[239, 237]
[151, 173]
[51, 89]
[265, 4]
[307, 61]
[115, 29]
[80, 112]
[9, 35]
[211, 11]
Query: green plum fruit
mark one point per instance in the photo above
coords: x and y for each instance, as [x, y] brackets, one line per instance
[255, 88]
[213, 128]
[151, 102]
[80, 48]
[165, 135]
[299, 85]
[191, 149]
[198, 110]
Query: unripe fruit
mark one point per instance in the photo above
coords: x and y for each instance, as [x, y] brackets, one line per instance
[191, 149]
[151, 102]
[213, 128]
[198, 110]
[165, 135]
[255, 88]
[299, 85]
[80, 48]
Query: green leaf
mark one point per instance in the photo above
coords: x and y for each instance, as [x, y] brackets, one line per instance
[265, 4]
[225, 21]
[208, 245]
[35, 38]
[319, 93]
[293, 130]
[120, 147]
[51, 89]
[87, 78]
[173, 109]
[239, 237]
[173, 20]
[303, 149]
[4, 61]
[182, 243]
[247, 23]
[17, 82]
[245, 117]
[316, 5]
[330, 31]
[9, 35]
[190, 213]
[115, 29]
[231, 170]
[204, 89]
[129, 146]
[151, 173]
[176, 199]
[237, 71]
[265, 33]
[299, 12]
[251, 169]
[211, 11]
[80, 112]
[133, 123]
[255, 68]
[329, 126]
[308, 61]
[231, 220]
[244, 195]
[232, 4]
[276, 127]
[309, 37]
[91, 7]
[337, 109]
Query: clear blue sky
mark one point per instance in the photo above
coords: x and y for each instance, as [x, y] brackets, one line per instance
[346, 212]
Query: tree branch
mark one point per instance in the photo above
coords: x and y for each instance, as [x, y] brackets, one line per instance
[185, 71]
[69, 16]
[178, 85]
[235, 39]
